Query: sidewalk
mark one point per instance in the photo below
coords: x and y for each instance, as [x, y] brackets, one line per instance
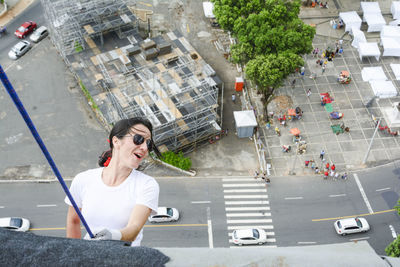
[14, 8]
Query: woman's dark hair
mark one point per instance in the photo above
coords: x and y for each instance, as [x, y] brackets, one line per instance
[122, 128]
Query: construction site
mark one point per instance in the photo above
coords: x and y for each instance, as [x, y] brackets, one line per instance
[162, 78]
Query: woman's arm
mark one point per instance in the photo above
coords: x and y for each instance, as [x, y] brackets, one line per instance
[136, 222]
[73, 224]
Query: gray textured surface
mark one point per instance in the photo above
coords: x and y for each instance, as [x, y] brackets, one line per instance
[26, 249]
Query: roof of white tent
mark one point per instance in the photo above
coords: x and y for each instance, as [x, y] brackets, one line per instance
[390, 43]
[396, 70]
[369, 49]
[359, 37]
[373, 73]
[370, 7]
[245, 118]
[350, 16]
[208, 10]
[395, 9]
[390, 31]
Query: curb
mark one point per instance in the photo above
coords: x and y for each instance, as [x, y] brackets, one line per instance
[5, 10]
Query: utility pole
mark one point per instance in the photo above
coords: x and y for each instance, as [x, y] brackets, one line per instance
[372, 140]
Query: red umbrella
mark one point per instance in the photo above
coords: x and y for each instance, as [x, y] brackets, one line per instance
[295, 131]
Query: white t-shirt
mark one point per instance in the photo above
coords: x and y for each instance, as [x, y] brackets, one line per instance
[111, 206]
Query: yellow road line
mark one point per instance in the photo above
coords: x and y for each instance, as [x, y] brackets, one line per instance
[187, 28]
[146, 4]
[147, 226]
[351, 216]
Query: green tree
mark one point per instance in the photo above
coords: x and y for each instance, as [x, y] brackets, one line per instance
[393, 249]
[268, 72]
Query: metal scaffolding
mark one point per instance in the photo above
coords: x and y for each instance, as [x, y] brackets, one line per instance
[74, 23]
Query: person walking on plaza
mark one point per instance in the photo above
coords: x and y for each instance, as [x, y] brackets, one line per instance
[312, 164]
[321, 154]
[306, 163]
[308, 92]
[323, 68]
[327, 166]
[333, 167]
[256, 174]
[344, 176]
[233, 98]
[326, 174]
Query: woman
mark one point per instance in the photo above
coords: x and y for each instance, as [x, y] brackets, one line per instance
[116, 199]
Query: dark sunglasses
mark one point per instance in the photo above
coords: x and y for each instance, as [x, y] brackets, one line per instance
[138, 140]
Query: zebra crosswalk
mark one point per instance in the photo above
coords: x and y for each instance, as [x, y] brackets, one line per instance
[247, 206]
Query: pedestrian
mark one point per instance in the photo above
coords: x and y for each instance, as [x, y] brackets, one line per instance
[321, 154]
[267, 181]
[256, 174]
[327, 166]
[341, 50]
[293, 83]
[233, 98]
[268, 125]
[316, 170]
[332, 173]
[333, 167]
[344, 176]
[302, 71]
[306, 163]
[312, 164]
[309, 92]
[337, 176]
[326, 175]
[323, 68]
[117, 199]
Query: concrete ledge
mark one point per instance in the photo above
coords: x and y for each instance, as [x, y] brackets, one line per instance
[5, 10]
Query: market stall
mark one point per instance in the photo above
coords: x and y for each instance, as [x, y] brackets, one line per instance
[396, 70]
[383, 89]
[395, 9]
[391, 47]
[369, 50]
[375, 21]
[370, 8]
[350, 19]
[373, 73]
[358, 37]
[389, 31]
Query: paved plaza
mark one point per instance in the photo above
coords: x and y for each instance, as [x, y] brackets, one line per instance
[346, 150]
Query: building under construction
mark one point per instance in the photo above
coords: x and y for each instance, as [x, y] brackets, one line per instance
[162, 78]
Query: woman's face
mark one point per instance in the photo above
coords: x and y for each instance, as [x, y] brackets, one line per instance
[129, 154]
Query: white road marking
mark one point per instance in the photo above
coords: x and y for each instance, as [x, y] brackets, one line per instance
[394, 234]
[363, 194]
[293, 198]
[245, 191]
[237, 179]
[201, 202]
[361, 238]
[382, 189]
[2, 207]
[255, 202]
[242, 185]
[246, 196]
[246, 208]
[269, 240]
[254, 214]
[210, 234]
[306, 243]
[240, 227]
[250, 221]
[46, 205]
[340, 195]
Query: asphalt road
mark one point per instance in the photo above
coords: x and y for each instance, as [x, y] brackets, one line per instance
[304, 209]
[43, 204]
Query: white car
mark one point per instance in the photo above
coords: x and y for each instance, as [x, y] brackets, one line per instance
[19, 49]
[351, 226]
[15, 224]
[39, 34]
[165, 214]
[249, 237]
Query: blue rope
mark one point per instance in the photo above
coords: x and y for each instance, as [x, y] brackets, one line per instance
[35, 134]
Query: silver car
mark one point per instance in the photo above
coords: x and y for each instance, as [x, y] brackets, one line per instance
[15, 224]
[165, 214]
[351, 226]
[19, 49]
[249, 236]
[39, 34]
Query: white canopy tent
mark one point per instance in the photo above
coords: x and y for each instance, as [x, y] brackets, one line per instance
[391, 47]
[370, 8]
[373, 73]
[396, 70]
[245, 122]
[369, 50]
[390, 32]
[395, 9]
[358, 37]
[383, 89]
[208, 10]
[350, 19]
[375, 22]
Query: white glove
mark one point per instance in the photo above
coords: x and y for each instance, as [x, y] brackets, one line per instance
[105, 234]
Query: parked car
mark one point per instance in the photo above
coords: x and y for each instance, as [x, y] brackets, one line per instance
[165, 214]
[351, 226]
[39, 34]
[15, 224]
[19, 49]
[249, 237]
[25, 29]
